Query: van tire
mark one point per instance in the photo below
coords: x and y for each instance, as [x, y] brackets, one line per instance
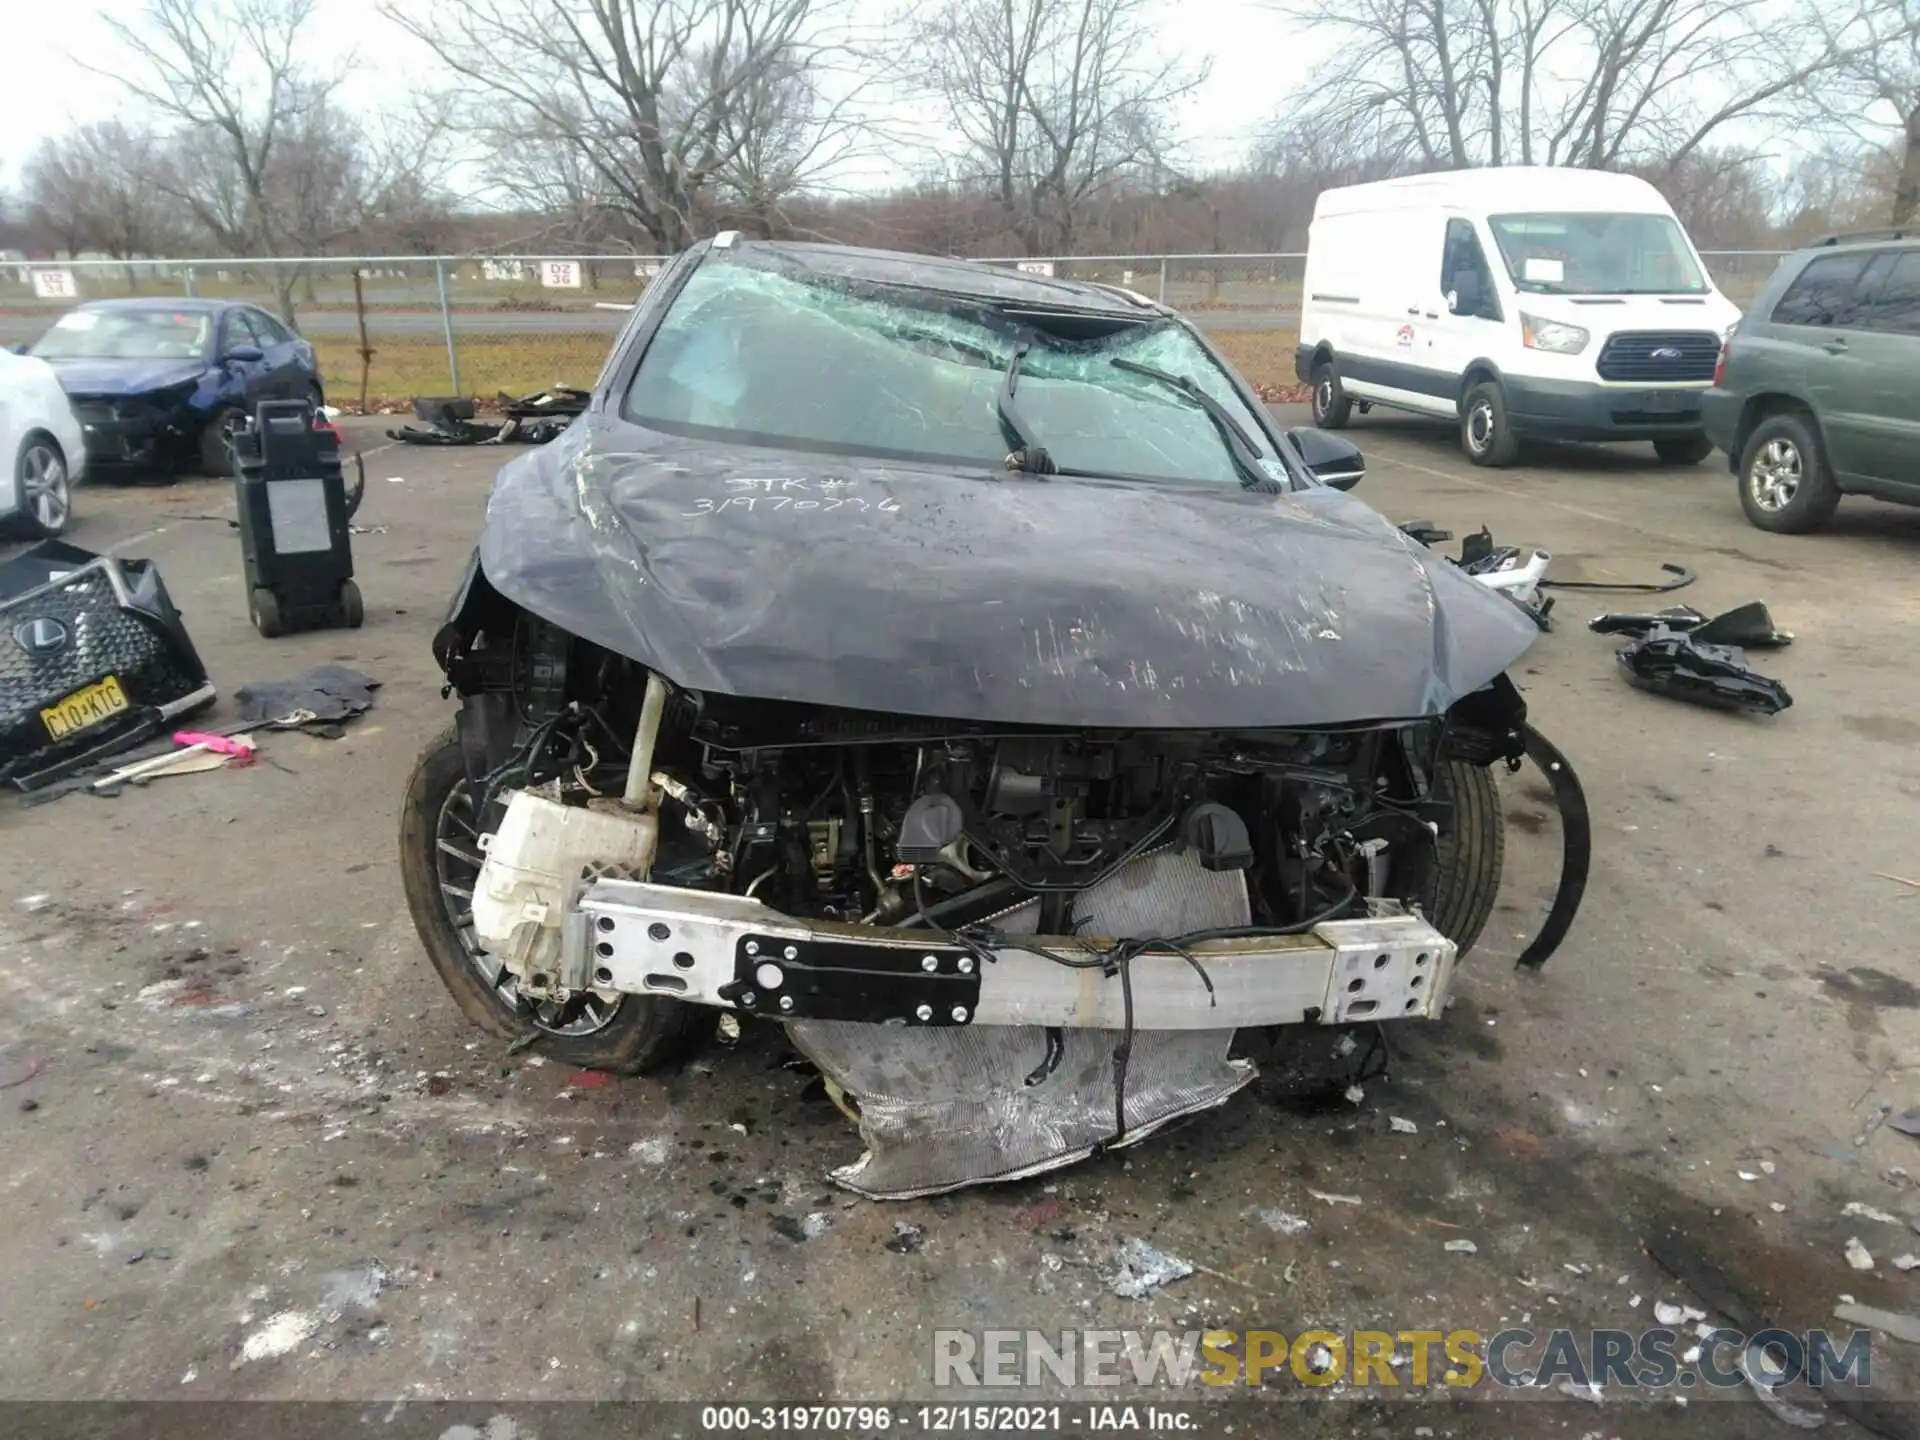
[1683, 449]
[1484, 432]
[1331, 406]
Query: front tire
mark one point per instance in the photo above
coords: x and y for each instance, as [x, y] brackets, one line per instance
[1485, 432]
[1786, 485]
[216, 442]
[1683, 449]
[1331, 407]
[42, 487]
[1468, 859]
[439, 866]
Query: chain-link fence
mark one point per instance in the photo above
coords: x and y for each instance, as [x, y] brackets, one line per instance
[388, 328]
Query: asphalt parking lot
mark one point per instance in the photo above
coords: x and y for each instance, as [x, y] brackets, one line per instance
[254, 1152]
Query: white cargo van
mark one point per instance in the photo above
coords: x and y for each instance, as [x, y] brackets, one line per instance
[1519, 300]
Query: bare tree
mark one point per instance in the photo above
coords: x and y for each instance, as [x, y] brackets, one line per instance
[1054, 103]
[260, 157]
[650, 109]
[1604, 83]
[93, 187]
[1877, 91]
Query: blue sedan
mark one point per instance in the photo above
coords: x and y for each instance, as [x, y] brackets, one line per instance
[160, 385]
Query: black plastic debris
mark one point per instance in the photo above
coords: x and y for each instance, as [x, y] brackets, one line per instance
[322, 698]
[1676, 617]
[94, 660]
[1686, 663]
[1750, 626]
[1682, 577]
[530, 419]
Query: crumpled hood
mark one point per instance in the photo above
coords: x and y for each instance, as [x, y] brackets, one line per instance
[984, 595]
[125, 377]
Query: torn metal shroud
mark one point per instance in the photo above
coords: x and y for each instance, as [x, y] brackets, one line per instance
[976, 595]
[943, 1108]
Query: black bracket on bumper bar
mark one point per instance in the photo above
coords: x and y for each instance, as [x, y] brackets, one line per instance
[934, 984]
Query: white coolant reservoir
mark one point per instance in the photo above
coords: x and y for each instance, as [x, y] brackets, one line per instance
[534, 864]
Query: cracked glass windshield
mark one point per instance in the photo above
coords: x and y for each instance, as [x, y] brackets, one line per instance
[797, 361]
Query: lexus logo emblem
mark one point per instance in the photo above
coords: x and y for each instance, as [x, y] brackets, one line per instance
[40, 636]
[1665, 352]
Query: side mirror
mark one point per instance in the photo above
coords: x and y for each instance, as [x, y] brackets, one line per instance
[247, 353]
[1332, 461]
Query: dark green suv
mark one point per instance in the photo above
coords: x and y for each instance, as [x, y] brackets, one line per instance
[1817, 393]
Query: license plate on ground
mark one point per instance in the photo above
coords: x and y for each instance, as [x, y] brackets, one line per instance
[85, 708]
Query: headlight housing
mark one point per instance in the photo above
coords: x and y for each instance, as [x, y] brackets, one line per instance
[1554, 336]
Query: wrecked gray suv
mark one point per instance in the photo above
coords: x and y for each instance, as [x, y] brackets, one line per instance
[960, 669]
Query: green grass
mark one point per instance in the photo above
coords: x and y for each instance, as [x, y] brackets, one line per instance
[405, 366]
[417, 365]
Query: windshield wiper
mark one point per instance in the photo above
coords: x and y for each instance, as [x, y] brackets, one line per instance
[1246, 458]
[1017, 433]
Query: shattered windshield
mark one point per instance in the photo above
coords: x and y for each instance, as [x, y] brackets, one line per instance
[800, 362]
[126, 335]
[1597, 254]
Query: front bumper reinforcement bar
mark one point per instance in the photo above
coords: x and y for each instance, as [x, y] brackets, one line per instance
[735, 952]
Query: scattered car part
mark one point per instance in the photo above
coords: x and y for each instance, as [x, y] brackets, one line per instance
[318, 701]
[1676, 617]
[1010, 838]
[195, 753]
[94, 659]
[292, 502]
[1749, 625]
[530, 419]
[1683, 665]
[1515, 573]
[1682, 577]
[160, 385]
[1576, 847]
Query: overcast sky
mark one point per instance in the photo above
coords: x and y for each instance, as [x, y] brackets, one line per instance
[1253, 53]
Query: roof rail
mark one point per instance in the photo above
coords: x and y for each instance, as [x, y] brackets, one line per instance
[1861, 237]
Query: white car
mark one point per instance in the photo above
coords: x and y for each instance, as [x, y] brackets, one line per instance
[42, 448]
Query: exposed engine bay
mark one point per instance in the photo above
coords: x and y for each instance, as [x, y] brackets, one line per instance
[1005, 947]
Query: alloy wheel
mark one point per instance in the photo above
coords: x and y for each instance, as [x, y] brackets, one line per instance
[457, 862]
[44, 492]
[1774, 477]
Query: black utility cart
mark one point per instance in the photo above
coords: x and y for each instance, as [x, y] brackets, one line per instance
[294, 511]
